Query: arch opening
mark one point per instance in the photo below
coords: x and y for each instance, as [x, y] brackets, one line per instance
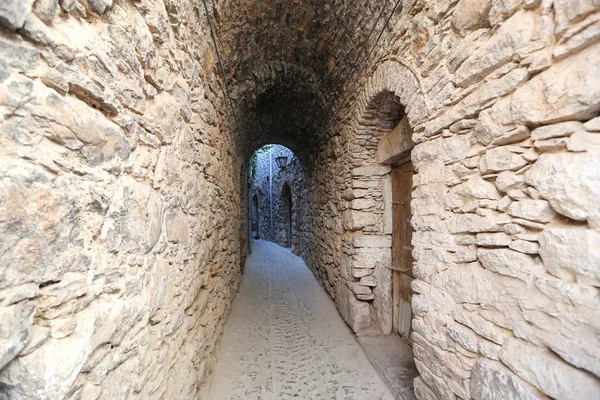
[277, 180]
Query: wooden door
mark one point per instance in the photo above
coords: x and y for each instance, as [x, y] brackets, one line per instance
[401, 247]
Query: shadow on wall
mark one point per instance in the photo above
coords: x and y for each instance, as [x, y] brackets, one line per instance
[277, 182]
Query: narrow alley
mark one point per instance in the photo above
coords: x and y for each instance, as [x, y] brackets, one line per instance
[308, 199]
[285, 338]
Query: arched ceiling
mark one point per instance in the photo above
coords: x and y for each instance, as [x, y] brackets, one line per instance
[288, 61]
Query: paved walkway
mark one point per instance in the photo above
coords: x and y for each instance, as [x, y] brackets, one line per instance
[286, 340]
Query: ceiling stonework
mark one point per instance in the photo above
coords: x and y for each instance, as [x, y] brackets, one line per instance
[288, 61]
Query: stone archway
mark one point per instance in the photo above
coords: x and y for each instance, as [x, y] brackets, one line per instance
[390, 105]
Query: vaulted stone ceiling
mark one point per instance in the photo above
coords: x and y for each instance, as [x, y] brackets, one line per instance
[288, 61]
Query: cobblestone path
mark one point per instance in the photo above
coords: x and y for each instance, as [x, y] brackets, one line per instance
[285, 339]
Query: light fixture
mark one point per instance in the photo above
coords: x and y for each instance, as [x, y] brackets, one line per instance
[281, 161]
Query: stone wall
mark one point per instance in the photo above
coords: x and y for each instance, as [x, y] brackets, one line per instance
[123, 195]
[291, 176]
[503, 102]
[119, 200]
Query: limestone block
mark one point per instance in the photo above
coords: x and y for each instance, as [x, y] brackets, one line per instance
[473, 223]
[177, 228]
[470, 15]
[508, 180]
[515, 33]
[423, 391]
[524, 246]
[584, 141]
[357, 288]
[362, 204]
[548, 372]
[13, 13]
[475, 188]
[572, 253]
[593, 125]
[98, 6]
[355, 312]
[383, 302]
[162, 117]
[454, 148]
[395, 143]
[556, 130]
[46, 10]
[366, 257]
[499, 239]
[356, 220]
[39, 223]
[491, 381]
[555, 144]
[508, 262]
[373, 241]
[15, 330]
[371, 170]
[71, 286]
[567, 90]
[570, 182]
[567, 11]
[49, 372]
[502, 9]
[501, 159]
[135, 217]
[361, 272]
[534, 210]
[369, 281]
[482, 326]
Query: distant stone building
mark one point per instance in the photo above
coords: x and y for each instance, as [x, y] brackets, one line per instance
[277, 192]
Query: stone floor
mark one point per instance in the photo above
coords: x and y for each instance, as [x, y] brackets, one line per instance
[285, 339]
[393, 358]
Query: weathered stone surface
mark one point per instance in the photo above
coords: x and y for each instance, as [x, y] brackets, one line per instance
[508, 262]
[501, 159]
[15, 330]
[492, 239]
[371, 241]
[568, 11]
[572, 253]
[474, 223]
[470, 15]
[99, 6]
[556, 130]
[524, 246]
[395, 143]
[570, 182]
[475, 188]
[135, 218]
[547, 372]
[355, 312]
[124, 205]
[371, 170]
[567, 90]
[491, 380]
[593, 125]
[534, 210]
[508, 180]
[13, 13]
[515, 33]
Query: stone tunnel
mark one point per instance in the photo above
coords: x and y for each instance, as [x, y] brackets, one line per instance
[450, 154]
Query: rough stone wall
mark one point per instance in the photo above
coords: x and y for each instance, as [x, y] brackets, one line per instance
[115, 144]
[292, 176]
[119, 210]
[503, 100]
